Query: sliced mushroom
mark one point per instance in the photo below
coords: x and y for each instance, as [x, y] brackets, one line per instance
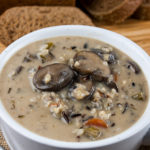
[110, 57]
[98, 52]
[53, 77]
[86, 62]
[98, 76]
[83, 89]
[133, 66]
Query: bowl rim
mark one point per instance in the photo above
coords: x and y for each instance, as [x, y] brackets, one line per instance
[134, 129]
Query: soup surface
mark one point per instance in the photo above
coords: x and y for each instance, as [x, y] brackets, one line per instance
[73, 89]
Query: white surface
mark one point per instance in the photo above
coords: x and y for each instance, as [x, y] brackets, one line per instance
[128, 140]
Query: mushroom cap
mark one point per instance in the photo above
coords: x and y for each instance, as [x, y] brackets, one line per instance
[60, 75]
[86, 62]
[85, 81]
[133, 66]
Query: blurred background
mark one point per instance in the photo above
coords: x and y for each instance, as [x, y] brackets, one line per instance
[130, 18]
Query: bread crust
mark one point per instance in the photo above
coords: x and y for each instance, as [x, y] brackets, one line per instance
[117, 14]
[143, 12]
[6, 4]
[2, 47]
[18, 21]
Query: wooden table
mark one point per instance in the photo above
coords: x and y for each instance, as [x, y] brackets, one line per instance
[137, 31]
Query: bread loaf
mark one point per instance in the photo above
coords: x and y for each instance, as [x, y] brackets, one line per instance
[18, 21]
[110, 11]
[5, 4]
[143, 11]
[2, 47]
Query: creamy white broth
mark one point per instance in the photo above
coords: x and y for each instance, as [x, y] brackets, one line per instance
[31, 107]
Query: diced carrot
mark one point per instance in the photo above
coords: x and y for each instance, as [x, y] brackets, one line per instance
[54, 104]
[102, 94]
[96, 122]
[115, 75]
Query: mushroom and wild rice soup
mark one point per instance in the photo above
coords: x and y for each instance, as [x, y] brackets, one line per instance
[73, 89]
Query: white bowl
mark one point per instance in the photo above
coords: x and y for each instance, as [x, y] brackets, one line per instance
[19, 138]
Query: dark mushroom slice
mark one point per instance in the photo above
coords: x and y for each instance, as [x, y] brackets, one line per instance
[111, 56]
[133, 66]
[53, 77]
[86, 62]
[81, 90]
[98, 52]
[98, 76]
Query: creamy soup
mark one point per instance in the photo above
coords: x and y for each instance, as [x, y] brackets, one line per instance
[73, 89]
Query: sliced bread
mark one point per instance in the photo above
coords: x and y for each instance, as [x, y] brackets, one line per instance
[143, 12]
[18, 21]
[5, 4]
[110, 11]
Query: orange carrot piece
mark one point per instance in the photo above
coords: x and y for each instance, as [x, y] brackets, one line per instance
[54, 104]
[96, 122]
[115, 75]
[102, 94]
